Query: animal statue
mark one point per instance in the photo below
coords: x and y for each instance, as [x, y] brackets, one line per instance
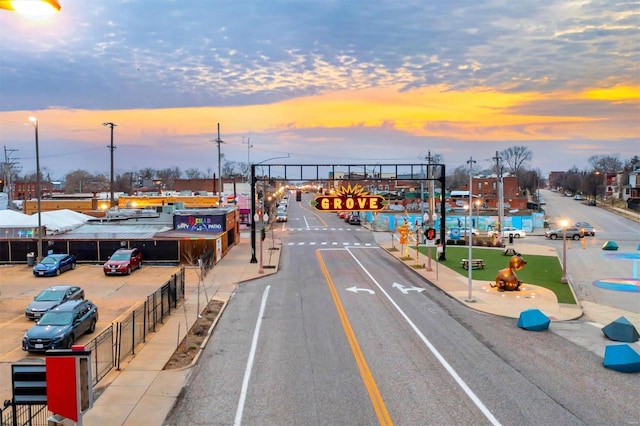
[507, 278]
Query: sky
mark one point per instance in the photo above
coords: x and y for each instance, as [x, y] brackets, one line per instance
[320, 81]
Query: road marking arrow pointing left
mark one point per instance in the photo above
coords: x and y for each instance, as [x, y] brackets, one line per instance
[355, 289]
[406, 290]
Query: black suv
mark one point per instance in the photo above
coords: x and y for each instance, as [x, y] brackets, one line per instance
[61, 326]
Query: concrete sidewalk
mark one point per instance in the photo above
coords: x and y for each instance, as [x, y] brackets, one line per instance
[142, 393]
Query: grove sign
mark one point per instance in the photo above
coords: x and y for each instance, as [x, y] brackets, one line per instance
[349, 199]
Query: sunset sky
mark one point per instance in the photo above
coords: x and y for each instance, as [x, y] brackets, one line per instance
[325, 81]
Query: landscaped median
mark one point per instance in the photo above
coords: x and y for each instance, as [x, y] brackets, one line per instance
[543, 271]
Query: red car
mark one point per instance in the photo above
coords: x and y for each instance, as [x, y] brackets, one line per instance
[123, 261]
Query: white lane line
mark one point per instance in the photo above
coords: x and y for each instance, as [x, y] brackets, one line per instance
[252, 354]
[474, 398]
[306, 222]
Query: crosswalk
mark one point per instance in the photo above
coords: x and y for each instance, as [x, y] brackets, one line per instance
[317, 229]
[330, 244]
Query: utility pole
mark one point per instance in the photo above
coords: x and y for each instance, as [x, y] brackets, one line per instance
[111, 148]
[219, 141]
[500, 196]
[249, 146]
[9, 164]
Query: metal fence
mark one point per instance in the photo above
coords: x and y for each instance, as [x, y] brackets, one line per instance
[23, 415]
[102, 354]
[110, 347]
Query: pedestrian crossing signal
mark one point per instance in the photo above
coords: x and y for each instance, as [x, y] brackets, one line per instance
[431, 234]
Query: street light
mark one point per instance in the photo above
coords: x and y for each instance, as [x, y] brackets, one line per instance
[564, 224]
[35, 10]
[38, 191]
[255, 216]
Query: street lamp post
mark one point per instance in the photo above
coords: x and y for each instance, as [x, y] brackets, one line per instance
[38, 191]
[470, 299]
[564, 279]
[254, 215]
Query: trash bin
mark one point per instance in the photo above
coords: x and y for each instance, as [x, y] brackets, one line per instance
[31, 258]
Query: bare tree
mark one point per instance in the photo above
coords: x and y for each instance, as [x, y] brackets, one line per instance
[459, 178]
[194, 174]
[78, 181]
[229, 168]
[516, 157]
[605, 163]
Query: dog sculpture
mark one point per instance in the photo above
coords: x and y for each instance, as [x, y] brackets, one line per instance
[507, 278]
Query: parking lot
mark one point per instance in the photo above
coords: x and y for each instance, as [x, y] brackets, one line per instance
[114, 296]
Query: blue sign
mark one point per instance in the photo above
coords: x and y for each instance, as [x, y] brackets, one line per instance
[454, 233]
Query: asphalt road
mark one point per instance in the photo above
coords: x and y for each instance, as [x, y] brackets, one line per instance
[588, 264]
[344, 335]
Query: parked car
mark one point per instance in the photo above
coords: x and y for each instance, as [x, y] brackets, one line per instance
[586, 228]
[51, 297]
[61, 326]
[354, 219]
[578, 197]
[123, 261]
[465, 231]
[54, 264]
[507, 231]
[573, 233]
[281, 217]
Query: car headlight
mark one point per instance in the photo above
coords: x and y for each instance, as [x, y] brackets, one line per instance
[58, 338]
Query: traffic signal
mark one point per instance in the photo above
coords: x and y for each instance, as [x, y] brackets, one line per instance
[298, 195]
[263, 234]
[431, 234]
[1, 185]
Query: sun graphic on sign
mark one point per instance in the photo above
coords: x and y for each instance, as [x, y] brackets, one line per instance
[349, 198]
[349, 190]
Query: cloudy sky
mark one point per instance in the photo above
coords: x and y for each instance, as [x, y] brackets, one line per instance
[324, 81]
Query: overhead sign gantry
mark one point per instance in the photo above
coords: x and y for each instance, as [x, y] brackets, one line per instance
[353, 198]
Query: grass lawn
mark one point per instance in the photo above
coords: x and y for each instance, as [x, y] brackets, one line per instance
[543, 271]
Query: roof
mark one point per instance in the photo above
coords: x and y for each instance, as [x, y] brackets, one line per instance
[54, 221]
[113, 231]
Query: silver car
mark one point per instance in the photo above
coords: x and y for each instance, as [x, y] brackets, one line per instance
[51, 297]
[572, 232]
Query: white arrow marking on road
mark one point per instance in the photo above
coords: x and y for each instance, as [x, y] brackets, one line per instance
[406, 290]
[356, 290]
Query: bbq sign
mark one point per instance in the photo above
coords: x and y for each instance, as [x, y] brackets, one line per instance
[349, 199]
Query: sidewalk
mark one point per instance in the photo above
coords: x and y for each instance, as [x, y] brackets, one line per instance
[143, 393]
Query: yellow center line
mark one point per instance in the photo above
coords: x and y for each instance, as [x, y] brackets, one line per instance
[313, 213]
[365, 373]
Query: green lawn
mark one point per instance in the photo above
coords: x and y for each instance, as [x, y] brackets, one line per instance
[543, 271]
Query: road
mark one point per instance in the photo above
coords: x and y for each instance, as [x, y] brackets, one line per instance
[591, 263]
[344, 335]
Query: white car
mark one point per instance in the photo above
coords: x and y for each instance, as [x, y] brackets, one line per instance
[464, 231]
[507, 231]
[281, 217]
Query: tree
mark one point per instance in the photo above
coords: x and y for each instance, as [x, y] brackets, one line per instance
[605, 163]
[516, 157]
[228, 168]
[168, 177]
[194, 174]
[78, 181]
[459, 178]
